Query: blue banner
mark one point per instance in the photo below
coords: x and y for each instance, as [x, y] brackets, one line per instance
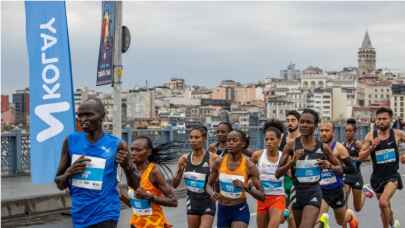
[50, 84]
[105, 68]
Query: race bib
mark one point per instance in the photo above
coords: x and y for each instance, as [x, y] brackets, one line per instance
[307, 171]
[141, 207]
[195, 182]
[385, 156]
[93, 174]
[327, 177]
[271, 185]
[227, 188]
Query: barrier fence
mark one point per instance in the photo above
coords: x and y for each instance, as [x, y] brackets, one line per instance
[15, 145]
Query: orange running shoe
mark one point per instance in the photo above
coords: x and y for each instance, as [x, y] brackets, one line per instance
[354, 223]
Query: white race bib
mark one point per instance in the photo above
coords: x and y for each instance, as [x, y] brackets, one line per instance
[307, 171]
[327, 177]
[93, 174]
[195, 182]
[140, 207]
[271, 185]
[226, 186]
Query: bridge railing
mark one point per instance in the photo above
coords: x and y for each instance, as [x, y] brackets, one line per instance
[15, 153]
[15, 145]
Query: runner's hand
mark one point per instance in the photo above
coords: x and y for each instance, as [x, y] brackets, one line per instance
[402, 159]
[141, 194]
[216, 196]
[239, 184]
[122, 157]
[298, 154]
[375, 142]
[324, 164]
[182, 164]
[78, 166]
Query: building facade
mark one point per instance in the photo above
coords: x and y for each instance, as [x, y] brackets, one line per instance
[398, 100]
[21, 101]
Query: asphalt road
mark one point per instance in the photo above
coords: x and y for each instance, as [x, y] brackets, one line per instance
[369, 216]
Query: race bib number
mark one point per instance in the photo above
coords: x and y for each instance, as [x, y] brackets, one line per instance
[307, 171]
[195, 182]
[141, 207]
[385, 156]
[327, 177]
[93, 174]
[227, 188]
[271, 185]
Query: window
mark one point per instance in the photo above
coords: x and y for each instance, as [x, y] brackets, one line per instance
[401, 98]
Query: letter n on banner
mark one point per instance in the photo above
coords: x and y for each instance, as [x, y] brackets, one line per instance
[50, 84]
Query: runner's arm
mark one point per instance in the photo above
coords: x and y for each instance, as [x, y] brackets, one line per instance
[168, 198]
[213, 177]
[358, 148]
[65, 170]
[285, 163]
[124, 198]
[330, 156]
[255, 156]
[62, 176]
[255, 189]
[344, 157]
[366, 147]
[400, 135]
[212, 149]
[181, 165]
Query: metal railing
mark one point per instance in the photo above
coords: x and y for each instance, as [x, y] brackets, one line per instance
[15, 145]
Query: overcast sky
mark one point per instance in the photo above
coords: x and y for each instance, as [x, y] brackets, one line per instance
[205, 42]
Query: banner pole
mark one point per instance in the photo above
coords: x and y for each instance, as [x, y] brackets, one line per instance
[116, 117]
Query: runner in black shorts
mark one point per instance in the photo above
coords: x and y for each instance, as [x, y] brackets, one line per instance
[382, 144]
[308, 154]
[195, 168]
[354, 182]
[332, 179]
[292, 118]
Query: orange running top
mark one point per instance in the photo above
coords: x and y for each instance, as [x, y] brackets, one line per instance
[225, 174]
[152, 215]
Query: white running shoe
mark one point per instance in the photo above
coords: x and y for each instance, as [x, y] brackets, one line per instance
[396, 224]
[368, 192]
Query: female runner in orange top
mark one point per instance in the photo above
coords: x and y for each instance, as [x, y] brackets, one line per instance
[153, 192]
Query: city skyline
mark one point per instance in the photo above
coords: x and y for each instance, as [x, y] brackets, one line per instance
[194, 40]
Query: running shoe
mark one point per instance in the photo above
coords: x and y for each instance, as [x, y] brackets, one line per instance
[324, 220]
[396, 224]
[286, 213]
[368, 192]
[354, 223]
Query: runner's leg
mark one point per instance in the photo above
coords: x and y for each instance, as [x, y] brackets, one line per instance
[309, 216]
[206, 221]
[193, 221]
[384, 203]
